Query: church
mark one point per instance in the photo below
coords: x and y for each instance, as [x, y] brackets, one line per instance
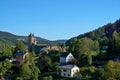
[37, 48]
[33, 46]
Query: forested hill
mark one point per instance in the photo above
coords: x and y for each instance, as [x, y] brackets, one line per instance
[11, 39]
[102, 32]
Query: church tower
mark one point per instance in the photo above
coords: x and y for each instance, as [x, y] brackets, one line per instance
[31, 42]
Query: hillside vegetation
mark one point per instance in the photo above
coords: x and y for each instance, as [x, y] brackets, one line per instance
[97, 53]
[11, 39]
[102, 34]
[105, 31]
[103, 42]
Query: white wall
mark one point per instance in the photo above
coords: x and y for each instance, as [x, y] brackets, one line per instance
[74, 70]
[66, 73]
[69, 72]
[69, 58]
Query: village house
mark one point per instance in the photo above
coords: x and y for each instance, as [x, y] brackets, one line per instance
[20, 57]
[66, 58]
[66, 68]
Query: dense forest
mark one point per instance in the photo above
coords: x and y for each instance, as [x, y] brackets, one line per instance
[105, 31]
[106, 35]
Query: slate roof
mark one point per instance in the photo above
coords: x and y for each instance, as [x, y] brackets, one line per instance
[19, 53]
[65, 54]
[70, 66]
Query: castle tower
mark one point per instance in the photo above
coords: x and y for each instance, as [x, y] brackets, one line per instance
[32, 39]
[31, 42]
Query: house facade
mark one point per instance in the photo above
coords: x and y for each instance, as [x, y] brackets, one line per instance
[66, 68]
[66, 57]
[20, 57]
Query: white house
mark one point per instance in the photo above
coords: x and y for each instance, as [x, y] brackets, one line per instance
[66, 57]
[67, 70]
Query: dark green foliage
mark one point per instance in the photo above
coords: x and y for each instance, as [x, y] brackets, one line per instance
[44, 63]
[82, 49]
[91, 73]
[48, 61]
[110, 48]
[55, 56]
[48, 78]
[5, 49]
[31, 58]
[83, 46]
[4, 67]
[105, 41]
[112, 71]
[20, 47]
[104, 31]
[25, 71]
[34, 72]
[29, 70]
[6, 52]
[114, 44]
[103, 35]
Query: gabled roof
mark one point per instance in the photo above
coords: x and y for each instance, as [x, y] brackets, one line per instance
[19, 53]
[65, 54]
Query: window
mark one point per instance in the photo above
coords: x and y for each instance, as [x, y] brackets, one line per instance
[64, 74]
[70, 57]
[68, 75]
[76, 70]
[64, 70]
[73, 70]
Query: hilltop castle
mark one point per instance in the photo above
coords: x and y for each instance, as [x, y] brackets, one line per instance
[37, 48]
[33, 45]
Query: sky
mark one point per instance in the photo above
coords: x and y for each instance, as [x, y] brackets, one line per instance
[56, 19]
